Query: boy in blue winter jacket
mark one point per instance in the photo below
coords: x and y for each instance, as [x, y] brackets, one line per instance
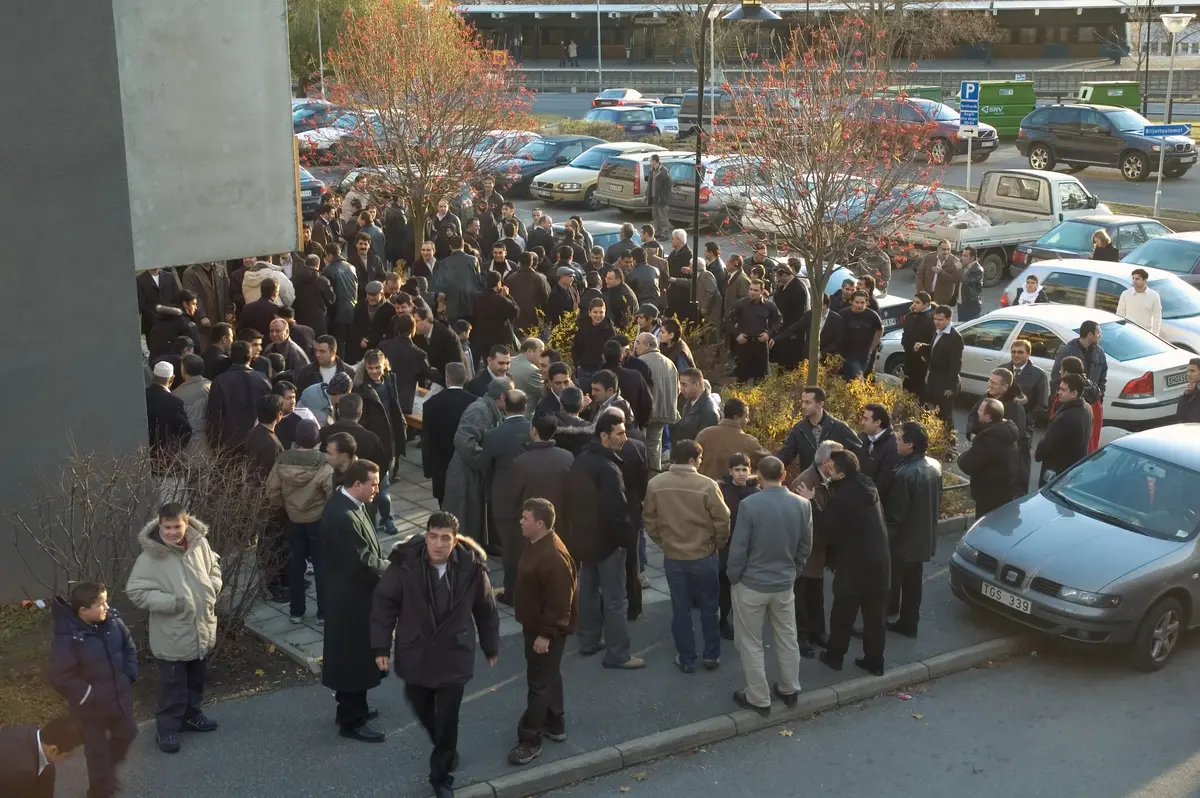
[93, 664]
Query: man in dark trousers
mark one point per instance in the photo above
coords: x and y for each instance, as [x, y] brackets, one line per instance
[28, 756]
[433, 600]
[943, 358]
[166, 415]
[791, 298]
[1034, 385]
[857, 549]
[314, 295]
[353, 563]
[658, 195]
[541, 472]
[912, 509]
[546, 609]
[502, 445]
[918, 329]
[1066, 440]
[232, 400]
[754, 321]
[439, 422]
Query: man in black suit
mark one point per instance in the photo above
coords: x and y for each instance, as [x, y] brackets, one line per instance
[408, 362]
[304, 336]
[232, 399]
[498, 361]
[878, 457]
[943, 359]
[791, 297]
[372, 321]
[679, 265]
[166, 415]
[314, 296]
[28, 756]
[438, 341]
[155, 288]
[1033, 383]
[831, 330]
[502, 445]
[439, 422]
[542, 235]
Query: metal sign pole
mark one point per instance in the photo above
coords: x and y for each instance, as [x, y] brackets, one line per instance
[1162, 153]
[969, 140]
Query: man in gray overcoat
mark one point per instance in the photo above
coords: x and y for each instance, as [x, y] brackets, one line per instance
[466, 495]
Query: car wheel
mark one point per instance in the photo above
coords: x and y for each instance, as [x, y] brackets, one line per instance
[1076, 168]
[981, 157]
[940, 152]
[1157, 636]
[895, 366]
[995, 269]
[590, 202]
[1040, 157]
[1135, 166]
[1175, 172]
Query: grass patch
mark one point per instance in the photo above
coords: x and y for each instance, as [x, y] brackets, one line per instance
[25, 696]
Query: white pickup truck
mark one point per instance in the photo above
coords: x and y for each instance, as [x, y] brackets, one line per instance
[1022, 205]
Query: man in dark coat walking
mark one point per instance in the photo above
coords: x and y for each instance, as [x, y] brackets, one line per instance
[155, 288]
[502, 445]
[440, 415]
[493, 314]
[857, 549]
[408, 362]
[166, 414]
[791, 298]
[370, 447]
[541, 472]
[991, 462]
[233, 399]
[1066, 440]
[22, 749]
[433, 600]
[913, 505]
[438, 341]
[353, 563]
[314, 295]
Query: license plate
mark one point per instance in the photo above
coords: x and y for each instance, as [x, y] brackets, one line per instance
[305, 193]
[1176, 379]
[1188, 159]
[616, 189]
[541, 193]
[1007, 599]
[636, 127]
[987, 144]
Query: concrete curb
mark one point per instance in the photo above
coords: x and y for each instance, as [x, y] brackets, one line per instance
[539, 779]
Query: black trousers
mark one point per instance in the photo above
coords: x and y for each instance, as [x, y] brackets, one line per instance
[342, 333]
[106, 741]
[841, 621]
[810, 607]
[724, 596]
[544, 703]
[907, 582]
[437, 709]
[352, 708]
[180, 693]
[914, 374]
[943, 404]
[751, 360]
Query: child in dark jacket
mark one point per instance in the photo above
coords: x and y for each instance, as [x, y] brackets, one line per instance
[93, 664]
[735, 486]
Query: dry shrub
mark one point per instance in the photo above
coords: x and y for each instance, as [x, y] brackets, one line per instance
[601, 130]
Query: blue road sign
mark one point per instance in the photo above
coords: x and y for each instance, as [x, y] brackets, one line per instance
[968, 90]
[1167, 130]
[968, 119]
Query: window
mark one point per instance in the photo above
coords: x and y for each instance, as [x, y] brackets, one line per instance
[1090, 119]
[1124, 340]
[1087, 35]
[1043, 342]
[1154, 230]
[1173, 254]
[1129, 236]
[1073, 197]
[1179, 300]
[638, 117]
[952, 202]
[1027, 35]
[911, 115]
[573, 150]
[666, 112]
[593, 158]
[1004, 36]
[990, 335]
[1108, 294]
[1071, 236]
[1067, 288]
[1039, 117]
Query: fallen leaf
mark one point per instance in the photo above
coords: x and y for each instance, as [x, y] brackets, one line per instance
[785, 732]
[271, 649]
[260, 672]
[624, 789]
[904, 696]
[918, 715]
[639, 776]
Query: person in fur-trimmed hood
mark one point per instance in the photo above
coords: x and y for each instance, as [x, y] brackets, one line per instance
[432, 600]
[177, 579]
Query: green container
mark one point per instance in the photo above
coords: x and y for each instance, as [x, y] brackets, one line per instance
[927, 92]
[1004, 103]
[1122, 93]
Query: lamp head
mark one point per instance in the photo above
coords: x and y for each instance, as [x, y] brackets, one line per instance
[1176, 23]
[755, 11]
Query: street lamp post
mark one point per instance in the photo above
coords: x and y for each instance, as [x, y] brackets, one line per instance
[599, 50]
[1175, 25]
[320, 52]
[750, 11]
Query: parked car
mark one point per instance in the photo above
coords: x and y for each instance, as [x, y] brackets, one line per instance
[1178, 253]
[728, 182]
[1104, 555]
[1100, 135]
[576, 182]
[636, 121]
[1146, 375]
[938, 123]
[787, 203]
[672, 99]
[892, 309]
[1073, 238]
[312, 193]
[624, 179]
[1099, 284]
[541, 156]
[666, 119]
[604, 234]
[915, 205]
[382, 178]
[351, 129]
[313, 114]
[500, 145]
[615, 97]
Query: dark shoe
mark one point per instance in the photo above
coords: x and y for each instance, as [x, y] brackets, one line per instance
[168, 743]
[739, 698]
[856, 632]
[875, 670]
[631, 664]
[365, 733]
[590, 650]
[829, 661]
[711, 664]
[894, 626]
[372, 714]
[558, 737]
[683, 668]
[492, 550]
[807, 651]
[726, 630]
[820, 641]
[279, 595]
[523, 754]
[789, 699]
[199, 723]
[443, 791]
[503, 598]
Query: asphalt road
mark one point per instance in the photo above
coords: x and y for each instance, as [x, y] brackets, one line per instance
[1051, 725]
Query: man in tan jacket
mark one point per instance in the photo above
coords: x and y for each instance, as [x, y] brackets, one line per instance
[686, 515]
[939, 275]
[729, 437]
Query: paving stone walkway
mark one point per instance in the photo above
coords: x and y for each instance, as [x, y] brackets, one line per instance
[412, 504]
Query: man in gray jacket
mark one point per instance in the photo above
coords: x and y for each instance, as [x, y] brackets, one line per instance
[344, 279]
[456, 280]
[768, 548]
[665, 393]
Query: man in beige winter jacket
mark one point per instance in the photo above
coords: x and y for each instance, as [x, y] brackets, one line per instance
[685, 513]
[177, 579]
[301, 482]
[729, 437]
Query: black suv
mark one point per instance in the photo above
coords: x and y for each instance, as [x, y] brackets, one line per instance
[1100, 135]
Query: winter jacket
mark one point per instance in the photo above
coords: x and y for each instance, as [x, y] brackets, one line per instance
[634, 390]
[431, 650]
[194, 393]
[92, 665]
[179, 587]
[540, 473]
[644, 279]
[992, 463]
[563, 302]
[1066, 440]
[685, 514]
[544, 599]
[665, 387]
[879, 460]
[1095, 365]
[531, 291]
[344, 279]
[587, 350]
[722, 441]
[622, 304]
[597, 521]
[1189, 407]
[261, 270]
[972, 285]
[694, 417]
[771, 541]
[802, 444]
[857, 541]
[457, 276]
[301, 482]
[913, 506]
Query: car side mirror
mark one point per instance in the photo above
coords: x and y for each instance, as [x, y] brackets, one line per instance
[1092, 201]
[562, 159]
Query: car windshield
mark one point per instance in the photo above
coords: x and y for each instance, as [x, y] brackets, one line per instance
[1133, 491]
[538, 151]
[1123, 340]
[346, 122]
[611, 94]
[636, 117]
[1071, 236]
[593, 159]
[307, 175]
[939, 112]
[1179, 300]
[1172, 254]
[1126, 120]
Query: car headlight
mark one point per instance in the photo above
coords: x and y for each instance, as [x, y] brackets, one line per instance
[1154, 148]
[966, 551]
[569, 186]
[1087, 599]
